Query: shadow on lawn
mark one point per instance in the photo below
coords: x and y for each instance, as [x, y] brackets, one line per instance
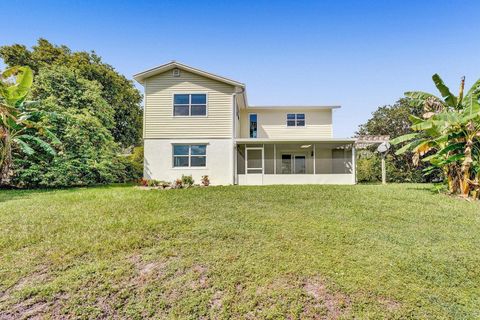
[15, 194]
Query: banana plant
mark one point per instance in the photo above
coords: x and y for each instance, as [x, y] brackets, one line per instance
[448, 132]
[19, 120]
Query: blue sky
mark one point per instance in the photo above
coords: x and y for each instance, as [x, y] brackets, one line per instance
[359, 54]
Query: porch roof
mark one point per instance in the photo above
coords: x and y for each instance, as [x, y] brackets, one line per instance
[309, 140]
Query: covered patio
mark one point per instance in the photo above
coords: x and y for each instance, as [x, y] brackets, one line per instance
[269, 161]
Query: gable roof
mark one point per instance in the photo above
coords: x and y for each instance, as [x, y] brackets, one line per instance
[139, 77]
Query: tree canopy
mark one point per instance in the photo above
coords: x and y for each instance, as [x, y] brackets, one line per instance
[116, 90]
[392, 120]
[93, 112]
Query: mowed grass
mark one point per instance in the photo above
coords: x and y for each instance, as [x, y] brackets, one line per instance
[335, 252]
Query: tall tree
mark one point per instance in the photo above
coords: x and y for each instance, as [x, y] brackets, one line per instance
[80, 117]
[447, 135]
[19, 122]
[116, 90]
[393, 120]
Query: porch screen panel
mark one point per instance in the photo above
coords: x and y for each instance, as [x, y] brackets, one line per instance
[254, 161]
[269, 159]
[342, 161]
[241, 159]
[323, 159]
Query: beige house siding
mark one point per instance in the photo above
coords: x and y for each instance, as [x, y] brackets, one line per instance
[159, 120]
[273, 124]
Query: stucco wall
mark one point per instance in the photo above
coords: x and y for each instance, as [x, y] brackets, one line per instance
[159, 160]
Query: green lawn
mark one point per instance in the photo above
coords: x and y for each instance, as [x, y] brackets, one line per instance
[363, 251]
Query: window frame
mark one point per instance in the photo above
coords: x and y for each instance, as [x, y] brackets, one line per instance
[189, 93]
[189, 156]
[249, 123]
[296, 120]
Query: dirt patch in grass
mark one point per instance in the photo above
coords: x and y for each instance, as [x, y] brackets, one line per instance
[38, 276]
[27, 309]
[324, 303]
[301, 297]
[10, 309]
[217, 300]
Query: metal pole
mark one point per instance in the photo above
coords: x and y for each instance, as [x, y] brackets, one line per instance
[384, 171]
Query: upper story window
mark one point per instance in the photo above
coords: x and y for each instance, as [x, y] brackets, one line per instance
[189, 155]
[296, 120]
[190, 104]
[252, 117]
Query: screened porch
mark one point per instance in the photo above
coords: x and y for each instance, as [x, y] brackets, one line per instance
[295, 163]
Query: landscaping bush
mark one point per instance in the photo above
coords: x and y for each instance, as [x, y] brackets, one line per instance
[177, 184]
[368, 167]
[187, 181]
[205, 181]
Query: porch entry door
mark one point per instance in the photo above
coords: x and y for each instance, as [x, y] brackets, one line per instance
[299, 164]
[254, 167]
[293, 163]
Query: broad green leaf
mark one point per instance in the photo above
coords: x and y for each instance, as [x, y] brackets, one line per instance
[47, 133]
[449, 98]
[430, 157]
[453, 158]
[474, 91]
[451, 147]
[405, 137]
[427, 124]
[42, 144]
[415, 119]
[24, 146]
[408, 147]
[17, 93]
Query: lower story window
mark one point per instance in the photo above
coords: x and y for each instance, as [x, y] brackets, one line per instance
[189, 155]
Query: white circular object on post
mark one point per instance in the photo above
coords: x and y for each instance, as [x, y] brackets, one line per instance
[383, 147]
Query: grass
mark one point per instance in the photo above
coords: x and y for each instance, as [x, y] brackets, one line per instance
[363, 251]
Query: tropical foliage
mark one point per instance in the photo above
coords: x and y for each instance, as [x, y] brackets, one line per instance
[116, 91]
[392, 120]
[20, 121]
[92, 109]
[81, 119]
[447, 136]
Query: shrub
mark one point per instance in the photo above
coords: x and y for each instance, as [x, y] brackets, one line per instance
[177, 184]
[187, 181]
[369, 167]
[205, 181]
[143, 182]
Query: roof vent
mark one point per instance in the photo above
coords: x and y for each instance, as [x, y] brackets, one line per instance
[176, 72]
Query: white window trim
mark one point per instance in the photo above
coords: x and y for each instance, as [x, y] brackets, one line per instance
[189, 104]
[189, 156]
[263, 157]
[295, 126]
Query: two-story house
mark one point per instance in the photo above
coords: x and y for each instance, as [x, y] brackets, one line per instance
[197, 123]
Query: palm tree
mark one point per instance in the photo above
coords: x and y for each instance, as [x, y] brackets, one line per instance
[19, 120]
[448, 132]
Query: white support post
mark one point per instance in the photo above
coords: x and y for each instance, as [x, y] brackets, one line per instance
[384, 170]
[263, 160]
[235, 172]
[274, 158]
[354, 164]
[314, 159]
